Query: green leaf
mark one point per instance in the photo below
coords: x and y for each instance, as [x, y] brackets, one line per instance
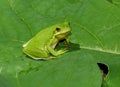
[95, 38]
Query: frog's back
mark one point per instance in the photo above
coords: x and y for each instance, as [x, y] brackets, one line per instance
[37, 45]
[44, 36]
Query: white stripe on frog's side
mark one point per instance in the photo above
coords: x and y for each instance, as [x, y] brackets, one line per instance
[44, 58]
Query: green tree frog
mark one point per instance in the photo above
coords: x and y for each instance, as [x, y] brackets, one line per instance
[43, 44]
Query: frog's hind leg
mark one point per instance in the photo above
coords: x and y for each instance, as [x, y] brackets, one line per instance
[36, 53]
[41, 58]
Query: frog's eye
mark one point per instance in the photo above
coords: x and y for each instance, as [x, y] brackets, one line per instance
[58, 29]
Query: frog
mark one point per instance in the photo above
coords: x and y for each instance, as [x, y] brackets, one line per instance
[43, 44]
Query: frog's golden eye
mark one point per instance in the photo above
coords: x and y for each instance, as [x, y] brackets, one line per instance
[58, 29]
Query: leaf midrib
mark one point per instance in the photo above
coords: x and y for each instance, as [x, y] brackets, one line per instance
[101, 50]
[82, 47]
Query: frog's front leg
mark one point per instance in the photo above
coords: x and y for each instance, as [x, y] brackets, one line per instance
[67, 43]
[51, 47]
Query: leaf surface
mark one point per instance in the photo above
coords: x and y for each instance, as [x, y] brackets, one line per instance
[95, 38]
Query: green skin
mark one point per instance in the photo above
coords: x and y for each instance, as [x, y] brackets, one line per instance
[42, 45]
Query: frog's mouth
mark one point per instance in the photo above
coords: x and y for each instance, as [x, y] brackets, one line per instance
[62, 35]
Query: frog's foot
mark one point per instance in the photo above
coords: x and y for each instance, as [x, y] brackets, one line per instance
[62, 51]
[67, 43]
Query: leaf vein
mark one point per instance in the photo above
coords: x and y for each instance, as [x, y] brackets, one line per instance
[21, 18]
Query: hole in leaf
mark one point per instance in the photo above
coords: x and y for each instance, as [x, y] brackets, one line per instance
[104, 69]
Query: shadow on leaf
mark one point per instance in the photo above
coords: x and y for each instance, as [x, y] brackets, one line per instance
[74, 47]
